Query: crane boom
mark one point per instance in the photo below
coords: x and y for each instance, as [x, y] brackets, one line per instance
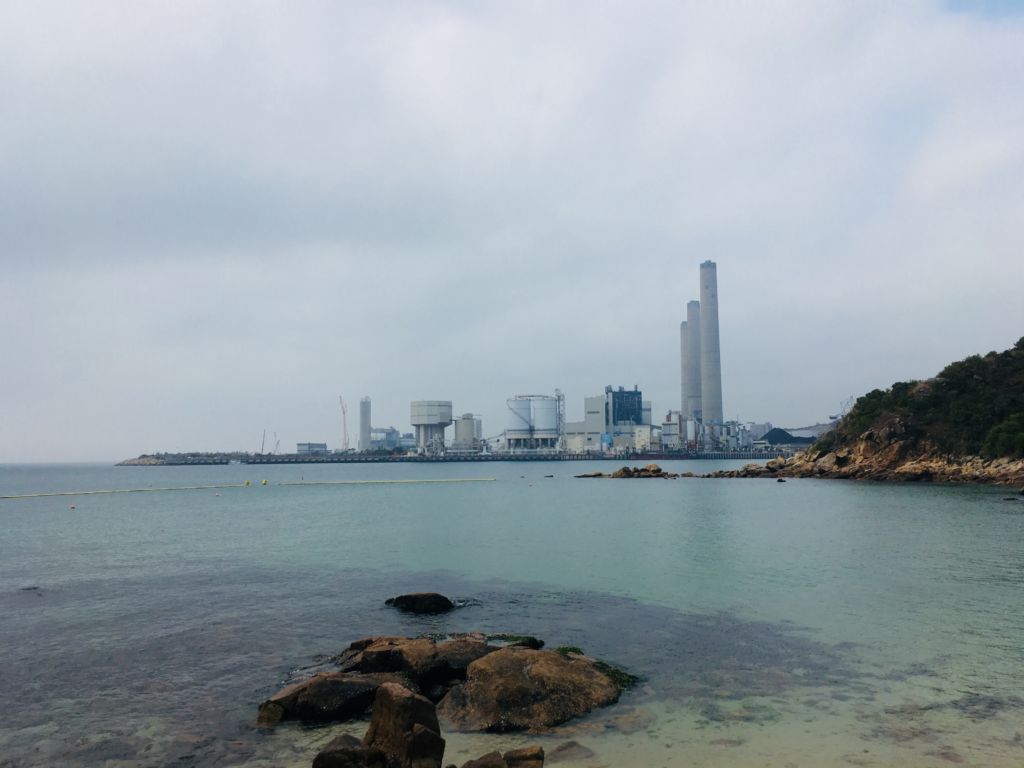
[344, 423]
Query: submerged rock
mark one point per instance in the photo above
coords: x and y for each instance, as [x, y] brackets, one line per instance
[524, 757]
[517, 688]
[348, 752]
[421, 602]
[570, 750]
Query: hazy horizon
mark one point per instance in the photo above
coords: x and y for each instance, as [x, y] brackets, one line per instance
[218, 219]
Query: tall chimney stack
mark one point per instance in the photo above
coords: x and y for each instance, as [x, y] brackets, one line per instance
[710, 353]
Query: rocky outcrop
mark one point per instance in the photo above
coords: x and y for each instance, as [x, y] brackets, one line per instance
[480, 687]
[421, 602]
[871, 458]
[650, 470]
[326, 697]
[404, 727]
[517, 688]
[432, 666]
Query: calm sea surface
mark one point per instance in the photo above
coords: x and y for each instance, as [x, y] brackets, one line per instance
[811, 623]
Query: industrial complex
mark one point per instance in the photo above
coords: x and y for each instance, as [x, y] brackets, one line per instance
[616, 422]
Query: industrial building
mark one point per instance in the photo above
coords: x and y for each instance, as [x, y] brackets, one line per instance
[311, 449]
[612, 421]
[535, 423]
[430, 418]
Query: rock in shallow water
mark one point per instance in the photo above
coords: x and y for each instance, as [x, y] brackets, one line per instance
[421, 602]
[516, 688]
[404, 727]
[326, 697]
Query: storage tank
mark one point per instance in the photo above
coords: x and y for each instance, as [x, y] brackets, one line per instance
[430, 417]
[465, 431]
[545, 416]
[520, 417]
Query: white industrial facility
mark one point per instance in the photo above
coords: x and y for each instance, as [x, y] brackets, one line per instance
[618, 421]
[534, 423]
[430, 418]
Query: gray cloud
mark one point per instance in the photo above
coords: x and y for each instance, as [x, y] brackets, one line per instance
[217, 218]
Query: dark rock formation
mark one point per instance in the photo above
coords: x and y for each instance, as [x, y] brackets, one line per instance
[651, 470]
[490, 760]
[325, 697]
[348, 752]
[421, 602]
[432, 666]
[525, 757]
[404, 727]
[516, 688]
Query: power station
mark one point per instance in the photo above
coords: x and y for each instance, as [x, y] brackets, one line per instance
[619, 421]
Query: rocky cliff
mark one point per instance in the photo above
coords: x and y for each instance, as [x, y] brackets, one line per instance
[965, 425]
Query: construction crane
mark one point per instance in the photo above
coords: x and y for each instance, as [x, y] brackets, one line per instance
[344, 424]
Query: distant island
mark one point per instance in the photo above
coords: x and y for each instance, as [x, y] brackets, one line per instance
[964, 425]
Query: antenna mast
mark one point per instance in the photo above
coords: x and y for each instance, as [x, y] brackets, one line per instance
[344, 423]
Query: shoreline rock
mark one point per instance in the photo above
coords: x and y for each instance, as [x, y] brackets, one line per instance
[870, 460]
[648, 471]
[517, 688]
[477, 686]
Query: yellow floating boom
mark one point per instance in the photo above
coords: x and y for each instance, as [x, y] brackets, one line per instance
[122, 490]
[391, 482]
[248, 483]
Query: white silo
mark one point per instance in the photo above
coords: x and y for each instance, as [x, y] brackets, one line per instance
[466, 433]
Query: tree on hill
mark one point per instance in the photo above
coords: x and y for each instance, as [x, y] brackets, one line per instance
[973, 407]
[778, 436]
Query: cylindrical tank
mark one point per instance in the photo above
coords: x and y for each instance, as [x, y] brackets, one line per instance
[465, 431]
[545, 416]
[520, 417]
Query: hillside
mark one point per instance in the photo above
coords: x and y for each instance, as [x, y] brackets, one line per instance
[972, 408]
[777, 436]
[964, 425]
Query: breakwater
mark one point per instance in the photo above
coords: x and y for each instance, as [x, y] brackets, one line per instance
[358, 458]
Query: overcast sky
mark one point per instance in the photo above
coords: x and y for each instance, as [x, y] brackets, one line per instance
[216, 218]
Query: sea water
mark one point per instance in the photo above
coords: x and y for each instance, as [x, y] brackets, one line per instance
[807, 623]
